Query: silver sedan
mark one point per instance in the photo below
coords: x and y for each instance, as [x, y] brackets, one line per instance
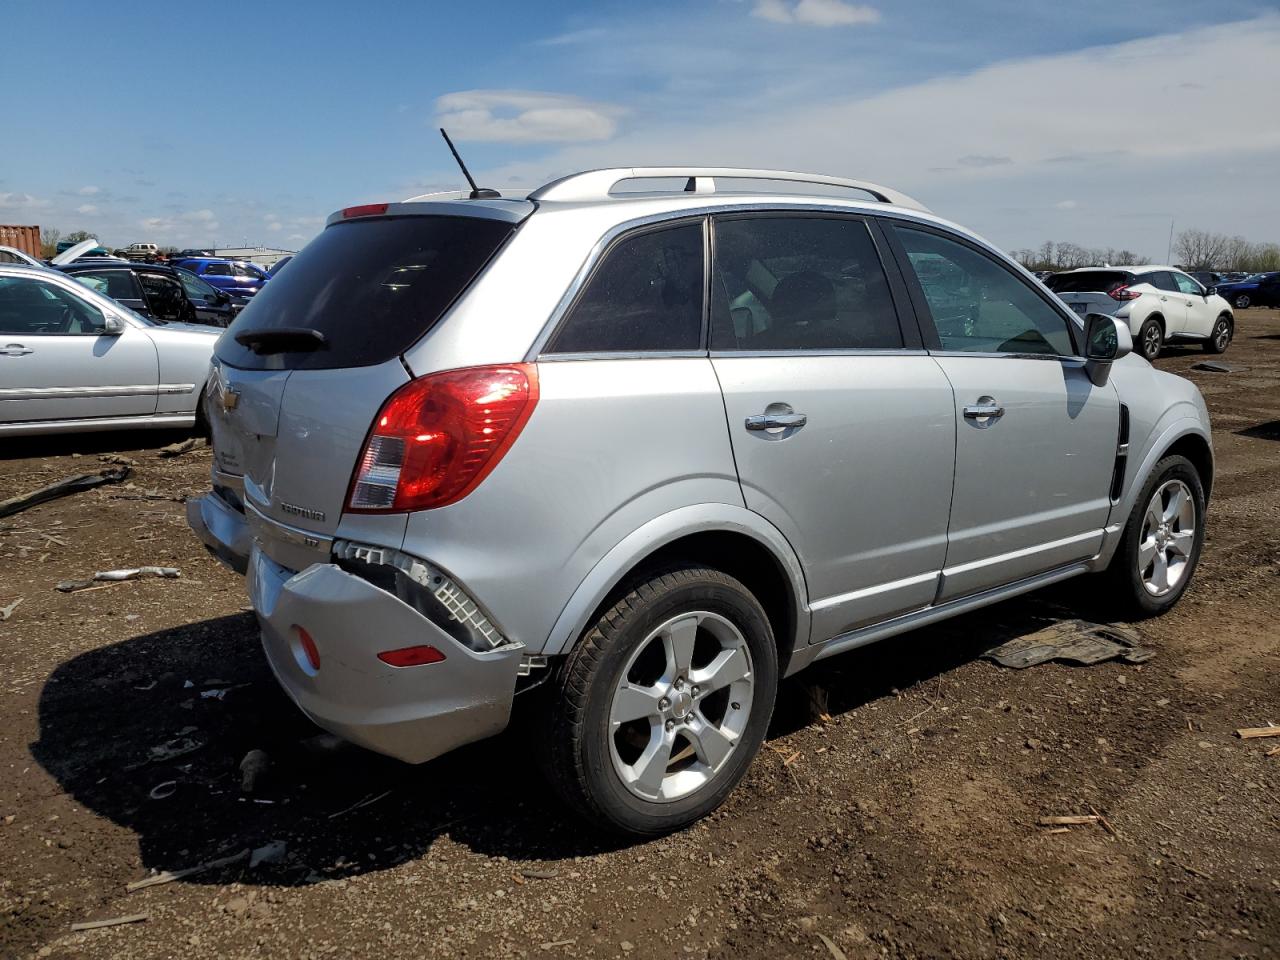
[74, 360]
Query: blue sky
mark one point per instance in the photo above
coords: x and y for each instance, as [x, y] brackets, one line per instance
[1093, 122]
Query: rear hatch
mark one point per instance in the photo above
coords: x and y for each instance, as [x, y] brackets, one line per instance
[302, 372]
[1089, 291]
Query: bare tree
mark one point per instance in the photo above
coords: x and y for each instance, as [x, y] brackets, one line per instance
[1201, 250]
[49, 238]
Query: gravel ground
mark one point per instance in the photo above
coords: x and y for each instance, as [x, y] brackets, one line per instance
[893, 812]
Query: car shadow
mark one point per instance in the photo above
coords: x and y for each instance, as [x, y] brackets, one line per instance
[65, 444]
[151, 733]
[1262, 431]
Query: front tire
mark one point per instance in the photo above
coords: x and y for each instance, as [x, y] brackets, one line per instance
[1151, 338]
[1157, 556]
[661, 707]
[1220, 338]
[1241, 302]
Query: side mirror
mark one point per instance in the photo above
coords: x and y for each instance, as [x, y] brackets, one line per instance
[112, 327]
[1106, 340]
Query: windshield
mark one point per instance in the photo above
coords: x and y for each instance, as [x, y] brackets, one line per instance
[370, 286]
[1088, 281]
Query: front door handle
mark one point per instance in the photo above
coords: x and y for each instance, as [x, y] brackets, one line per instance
[15, 350]
[984, 409]
[777, 421]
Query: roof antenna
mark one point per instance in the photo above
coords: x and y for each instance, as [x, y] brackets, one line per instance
[477, 193]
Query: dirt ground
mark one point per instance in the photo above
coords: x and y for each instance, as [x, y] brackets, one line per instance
[905, 826]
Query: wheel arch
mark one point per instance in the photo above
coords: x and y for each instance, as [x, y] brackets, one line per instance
[1195, 448]
[728, 538]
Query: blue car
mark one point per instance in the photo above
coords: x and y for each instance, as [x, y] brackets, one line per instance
[234, 276]
[1260, 290]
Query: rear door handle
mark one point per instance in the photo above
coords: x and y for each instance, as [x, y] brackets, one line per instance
[776, 421]
[982, 411]
[16, 350]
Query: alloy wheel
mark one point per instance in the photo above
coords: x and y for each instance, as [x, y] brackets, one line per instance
[1151, 342]
[1222, 335]
[1168, 538]
[681, 706]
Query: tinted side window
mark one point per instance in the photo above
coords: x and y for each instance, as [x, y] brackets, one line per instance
[799, 283]
[116, 284]
[646, 295]
[1161, 280]
[1186, 284]
[33, 307]
[978, 304]
[217, 269]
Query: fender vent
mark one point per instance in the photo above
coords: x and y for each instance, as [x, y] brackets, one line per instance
[1122, 455]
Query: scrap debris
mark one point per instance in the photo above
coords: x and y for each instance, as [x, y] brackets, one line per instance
[178, 449]
[1063, 823]
[1249, 733]
[1217, 366]
[1073, 641]
[108, 577]
[63, 488]
[168, 876]
[7, 612]
[113, 922]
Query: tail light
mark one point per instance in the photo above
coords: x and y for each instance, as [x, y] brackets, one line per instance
[1123, 293]
[437, 437]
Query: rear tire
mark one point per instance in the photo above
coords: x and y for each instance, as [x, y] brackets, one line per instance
[659, 710]
[1241, 302]
[1220, 338]
[1160, 548]
[1151, 338]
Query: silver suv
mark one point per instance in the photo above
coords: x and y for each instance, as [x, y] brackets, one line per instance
[651, 446]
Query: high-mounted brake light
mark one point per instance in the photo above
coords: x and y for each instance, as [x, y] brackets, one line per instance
[436, 438]
[1122, 292]
[365, 210]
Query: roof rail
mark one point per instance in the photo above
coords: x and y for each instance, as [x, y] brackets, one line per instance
[599, 184]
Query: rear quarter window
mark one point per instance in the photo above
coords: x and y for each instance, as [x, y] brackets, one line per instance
[371, 286]
[1091, 281]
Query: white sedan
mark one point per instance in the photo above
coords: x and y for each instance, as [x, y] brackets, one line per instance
[74, 360]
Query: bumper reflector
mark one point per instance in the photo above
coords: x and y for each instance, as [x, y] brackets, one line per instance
[411, 656]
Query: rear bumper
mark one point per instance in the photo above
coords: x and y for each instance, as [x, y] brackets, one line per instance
[411, 713]
[222, 529]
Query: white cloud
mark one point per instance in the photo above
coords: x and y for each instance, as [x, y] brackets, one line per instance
[200, 216]
[1066, 205]
[275, 226]
[89, 191]
[20, 201]
[816, 13]
[898, 137]
[524, 116]
[87, 208]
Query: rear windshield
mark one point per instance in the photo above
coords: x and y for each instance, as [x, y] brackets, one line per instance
[1090, 281]
[371, 286]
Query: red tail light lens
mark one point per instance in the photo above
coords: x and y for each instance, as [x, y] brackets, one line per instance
[437, 437]
[365, 210]
[1124, 293]
[411, 656]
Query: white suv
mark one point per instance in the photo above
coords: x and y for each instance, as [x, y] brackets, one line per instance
[1158, 303]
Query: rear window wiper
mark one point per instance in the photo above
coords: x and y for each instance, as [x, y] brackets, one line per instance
[282, 340]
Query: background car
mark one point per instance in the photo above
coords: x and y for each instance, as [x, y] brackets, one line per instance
[76, 360]
[1207, 278]
[1158, 304]
[153, 290]
[94, 251]
[1259, 290]
[14, 255]
[212, 305]
[233, 276]
[279, 265]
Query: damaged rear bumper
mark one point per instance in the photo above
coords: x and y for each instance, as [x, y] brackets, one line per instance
[412, 713]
